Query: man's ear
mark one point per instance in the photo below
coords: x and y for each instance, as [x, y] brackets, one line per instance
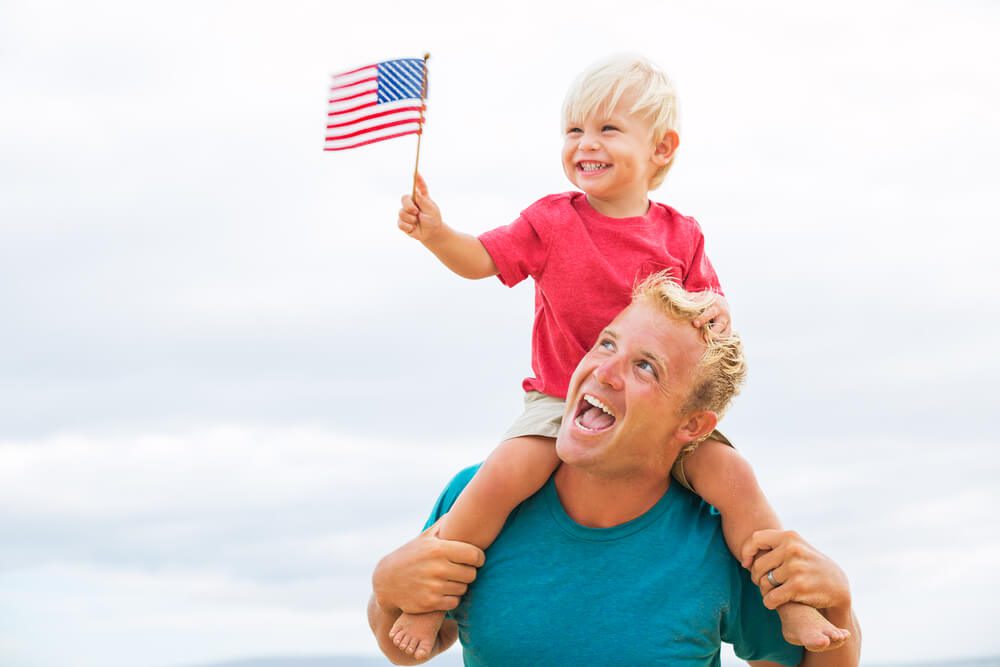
[665, 147]
[696, 426]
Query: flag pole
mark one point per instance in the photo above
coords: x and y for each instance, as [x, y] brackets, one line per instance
[423, 96]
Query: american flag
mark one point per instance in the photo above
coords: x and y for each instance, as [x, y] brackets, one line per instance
[375, 103]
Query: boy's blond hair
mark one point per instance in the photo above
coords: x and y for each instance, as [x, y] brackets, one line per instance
[598, 90]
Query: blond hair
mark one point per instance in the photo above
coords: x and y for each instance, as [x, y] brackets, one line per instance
[722, 368]
[598, 90]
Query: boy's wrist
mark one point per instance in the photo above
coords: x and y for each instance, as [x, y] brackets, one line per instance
[439, 237]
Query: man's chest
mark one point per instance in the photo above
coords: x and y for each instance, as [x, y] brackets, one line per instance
[546, 599]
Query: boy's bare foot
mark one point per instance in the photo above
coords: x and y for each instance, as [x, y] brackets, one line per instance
[804, 626]
[416, 633]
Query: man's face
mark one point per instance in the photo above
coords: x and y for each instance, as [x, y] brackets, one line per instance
[623, 408]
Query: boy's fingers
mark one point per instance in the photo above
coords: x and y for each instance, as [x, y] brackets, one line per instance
[707, 316]
[406, 227]
[421, 184]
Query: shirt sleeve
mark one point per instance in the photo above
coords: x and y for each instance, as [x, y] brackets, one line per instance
[700, 273]
[518, 250]
[753, 629]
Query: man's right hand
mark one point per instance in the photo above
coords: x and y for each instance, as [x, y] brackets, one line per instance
[426, 574]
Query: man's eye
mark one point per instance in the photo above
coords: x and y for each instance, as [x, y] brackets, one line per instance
[606, 344]
[647, 367]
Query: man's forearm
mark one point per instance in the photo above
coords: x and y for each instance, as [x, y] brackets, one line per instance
[380, 620]
[848, 655]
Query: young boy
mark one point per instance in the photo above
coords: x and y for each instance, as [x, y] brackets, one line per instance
[585, 251]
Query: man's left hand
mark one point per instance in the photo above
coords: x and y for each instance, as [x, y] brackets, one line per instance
[803, 574]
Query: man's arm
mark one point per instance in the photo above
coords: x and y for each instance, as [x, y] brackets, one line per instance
[425, 574]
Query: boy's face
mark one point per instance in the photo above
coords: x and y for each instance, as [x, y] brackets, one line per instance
[612, 156]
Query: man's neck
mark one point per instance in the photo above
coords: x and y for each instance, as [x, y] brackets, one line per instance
[603, 502]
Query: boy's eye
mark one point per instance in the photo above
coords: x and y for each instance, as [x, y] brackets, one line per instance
[574, 130]
[609, 128]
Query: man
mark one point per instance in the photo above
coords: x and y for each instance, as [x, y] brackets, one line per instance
[610, 563]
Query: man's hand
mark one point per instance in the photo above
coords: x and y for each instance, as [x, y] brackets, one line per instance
[420, 217]
[718, 315]
[803, 573]
[426, 574]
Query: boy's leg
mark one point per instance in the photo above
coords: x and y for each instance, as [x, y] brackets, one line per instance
[724, 479]
[513, 472]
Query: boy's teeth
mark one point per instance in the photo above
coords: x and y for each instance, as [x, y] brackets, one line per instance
[592, 166]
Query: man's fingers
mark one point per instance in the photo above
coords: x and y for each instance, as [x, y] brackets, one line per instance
[765, 563]
[464, 553]
[778, 596]
[763, 540]
[462, 573]
[454, 588]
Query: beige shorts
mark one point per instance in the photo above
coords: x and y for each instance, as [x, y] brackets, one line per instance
[543, 415]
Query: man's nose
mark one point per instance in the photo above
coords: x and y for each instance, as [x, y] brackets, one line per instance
[609, 373]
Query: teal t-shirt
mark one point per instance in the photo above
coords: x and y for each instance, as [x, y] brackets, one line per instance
[661, 589]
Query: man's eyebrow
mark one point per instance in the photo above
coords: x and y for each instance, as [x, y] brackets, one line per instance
[609, 333]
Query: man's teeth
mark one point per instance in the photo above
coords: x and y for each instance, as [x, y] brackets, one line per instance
[597, 404]
[593, 166]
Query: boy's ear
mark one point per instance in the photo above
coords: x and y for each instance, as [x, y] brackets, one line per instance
[665, 147]
[696, 426]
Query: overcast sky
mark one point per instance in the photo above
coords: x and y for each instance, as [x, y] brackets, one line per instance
[229, 384]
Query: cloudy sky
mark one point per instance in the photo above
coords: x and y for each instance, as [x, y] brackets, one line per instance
[229, 384]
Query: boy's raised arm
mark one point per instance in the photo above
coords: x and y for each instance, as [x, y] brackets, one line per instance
[420, 218]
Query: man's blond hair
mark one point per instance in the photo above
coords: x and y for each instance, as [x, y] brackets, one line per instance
[598, 90]
[722, 368]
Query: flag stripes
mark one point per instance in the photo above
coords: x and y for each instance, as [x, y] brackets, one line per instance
[375, 103]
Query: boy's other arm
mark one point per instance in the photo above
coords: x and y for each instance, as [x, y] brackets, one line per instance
[420, 218]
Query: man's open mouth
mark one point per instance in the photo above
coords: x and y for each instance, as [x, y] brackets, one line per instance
[592, 415]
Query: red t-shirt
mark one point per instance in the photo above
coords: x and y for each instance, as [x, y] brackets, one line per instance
[585, 265]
